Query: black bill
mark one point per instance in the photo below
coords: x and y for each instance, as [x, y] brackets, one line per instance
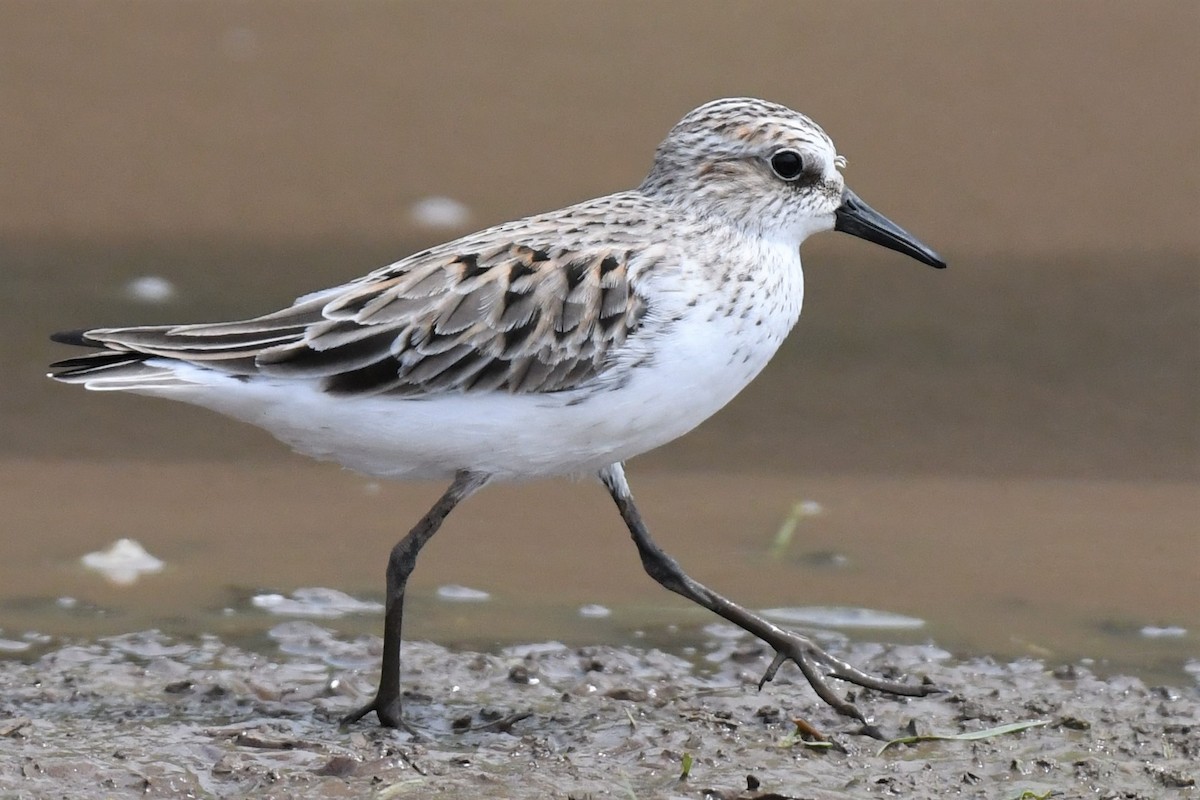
[858, 219]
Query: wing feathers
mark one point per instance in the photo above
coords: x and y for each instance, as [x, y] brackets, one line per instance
[510, 318]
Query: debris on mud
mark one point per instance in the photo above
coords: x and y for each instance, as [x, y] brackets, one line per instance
[144, 715]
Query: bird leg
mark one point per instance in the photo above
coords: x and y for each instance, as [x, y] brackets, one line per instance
[386, 704]
[816, 664]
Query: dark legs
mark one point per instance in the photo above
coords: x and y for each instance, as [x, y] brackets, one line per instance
[815, 663]
[386, 704]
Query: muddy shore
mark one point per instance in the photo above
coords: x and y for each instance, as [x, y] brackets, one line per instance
[144, 715]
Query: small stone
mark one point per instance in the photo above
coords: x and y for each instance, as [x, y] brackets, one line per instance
[340, 766]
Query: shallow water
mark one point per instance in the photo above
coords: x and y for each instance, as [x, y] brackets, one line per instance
[1008, 568]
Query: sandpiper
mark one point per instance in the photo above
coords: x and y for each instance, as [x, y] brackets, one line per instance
[562, 343]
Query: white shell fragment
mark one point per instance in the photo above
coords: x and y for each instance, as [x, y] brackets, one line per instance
[462, 594]
[842, 617]
[1163, 632]
[122, 563]
[150, 289]
[314, 602]
[439, 213]
[13, 645]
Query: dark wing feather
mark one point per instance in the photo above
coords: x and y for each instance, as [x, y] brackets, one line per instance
[513, 318]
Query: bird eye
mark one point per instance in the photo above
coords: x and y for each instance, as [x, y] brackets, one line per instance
[787, 164]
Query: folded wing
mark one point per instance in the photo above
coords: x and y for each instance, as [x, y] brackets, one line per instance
[515, 318]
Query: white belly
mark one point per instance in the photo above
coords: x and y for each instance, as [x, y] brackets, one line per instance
[506, 435]
[686, 363]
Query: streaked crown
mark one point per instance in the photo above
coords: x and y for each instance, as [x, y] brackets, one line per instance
[756, 164]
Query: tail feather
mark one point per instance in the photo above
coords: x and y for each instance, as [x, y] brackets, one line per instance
[92, 363]
[78, 337]
[134, 356]
[120, 371]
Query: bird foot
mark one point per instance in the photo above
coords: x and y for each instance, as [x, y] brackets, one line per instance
[819, 666]
[386, 709]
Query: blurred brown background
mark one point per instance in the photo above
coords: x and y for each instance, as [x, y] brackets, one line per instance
[247, 152]
[253, 151]
[1027, 129]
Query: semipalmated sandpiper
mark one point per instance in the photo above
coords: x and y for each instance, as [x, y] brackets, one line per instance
[562, 343]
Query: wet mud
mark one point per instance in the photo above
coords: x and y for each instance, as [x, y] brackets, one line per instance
[144, 715]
